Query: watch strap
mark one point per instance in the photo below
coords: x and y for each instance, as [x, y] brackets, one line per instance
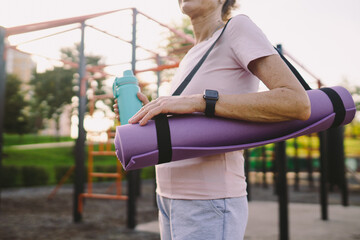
[210, 107]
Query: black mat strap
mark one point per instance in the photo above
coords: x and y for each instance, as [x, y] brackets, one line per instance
[338, 106]
[163, 138]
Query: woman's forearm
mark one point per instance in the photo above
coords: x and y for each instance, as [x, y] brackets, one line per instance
[270, 106]
[276, 105]
[286, 99]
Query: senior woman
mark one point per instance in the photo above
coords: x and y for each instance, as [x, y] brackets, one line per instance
[205, 197]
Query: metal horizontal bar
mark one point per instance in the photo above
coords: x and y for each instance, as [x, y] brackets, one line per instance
[112, 175]
[46, 36]
[55, 23]
[159, 68]
[102, 153]
[104, 196]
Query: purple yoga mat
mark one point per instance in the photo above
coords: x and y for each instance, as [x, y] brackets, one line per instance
[196, 135]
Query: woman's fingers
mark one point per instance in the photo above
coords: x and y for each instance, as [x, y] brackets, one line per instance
[151, 110]
[137, 116]
[156, 111]
[142, 97]
[116, 110]
[143, 111]
[168, 105]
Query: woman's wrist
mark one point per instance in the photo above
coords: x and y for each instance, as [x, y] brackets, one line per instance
[198, 102]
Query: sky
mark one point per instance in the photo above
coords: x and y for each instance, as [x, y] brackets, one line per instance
[323, 35]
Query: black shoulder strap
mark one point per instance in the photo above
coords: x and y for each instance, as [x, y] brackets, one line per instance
[161, 121]
[187, 80]
[293, 69]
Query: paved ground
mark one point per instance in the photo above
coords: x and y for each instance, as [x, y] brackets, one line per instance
[26, 214]
[305, 222]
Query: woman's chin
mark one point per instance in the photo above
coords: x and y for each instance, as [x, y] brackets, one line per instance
[188, 7]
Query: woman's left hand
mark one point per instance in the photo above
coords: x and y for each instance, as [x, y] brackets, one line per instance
[169, 105]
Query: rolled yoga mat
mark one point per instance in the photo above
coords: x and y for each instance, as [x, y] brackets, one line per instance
[196, 135]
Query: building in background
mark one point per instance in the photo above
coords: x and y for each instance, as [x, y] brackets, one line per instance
[20, 64]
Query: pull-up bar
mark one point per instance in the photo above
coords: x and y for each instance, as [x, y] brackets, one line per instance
[55, 23]
[117, 37]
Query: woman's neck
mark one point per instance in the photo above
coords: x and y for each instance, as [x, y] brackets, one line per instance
[205, 26]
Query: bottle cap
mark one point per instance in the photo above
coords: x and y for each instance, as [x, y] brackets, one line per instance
[128, 77]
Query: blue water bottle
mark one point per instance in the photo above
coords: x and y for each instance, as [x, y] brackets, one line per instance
[125, 89]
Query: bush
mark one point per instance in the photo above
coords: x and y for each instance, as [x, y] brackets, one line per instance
[10, 176]
[148, 172]
[34, 176]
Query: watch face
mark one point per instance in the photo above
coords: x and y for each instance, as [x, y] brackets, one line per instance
[211, 94]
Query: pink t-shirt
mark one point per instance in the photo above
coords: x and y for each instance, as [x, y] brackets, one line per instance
[224, 70]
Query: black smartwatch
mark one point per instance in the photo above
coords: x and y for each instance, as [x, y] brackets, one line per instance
[211, 97]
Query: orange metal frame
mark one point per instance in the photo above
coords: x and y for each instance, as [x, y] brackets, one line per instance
[103, 150]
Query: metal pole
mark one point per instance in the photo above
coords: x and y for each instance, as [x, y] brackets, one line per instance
[136, 173]
[336, 155]
[2, 94]
[282, 190]
[158, 74]
[275, 170]
[309, 163]
[282, 185]
[133, 50]
[263, 158]
[296, 165]
[132, 175]
[323, 175]
[247, 169]
[80, 142]
[344, 185]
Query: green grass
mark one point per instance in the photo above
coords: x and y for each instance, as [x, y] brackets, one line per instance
[15, 139]
[48, 158]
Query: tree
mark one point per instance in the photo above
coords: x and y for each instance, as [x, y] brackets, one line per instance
[176, 46]
[15, 118]
[356, 94]
[52, 90]
[71, 54]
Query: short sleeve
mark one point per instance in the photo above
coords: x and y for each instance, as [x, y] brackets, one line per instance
[248, 42]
